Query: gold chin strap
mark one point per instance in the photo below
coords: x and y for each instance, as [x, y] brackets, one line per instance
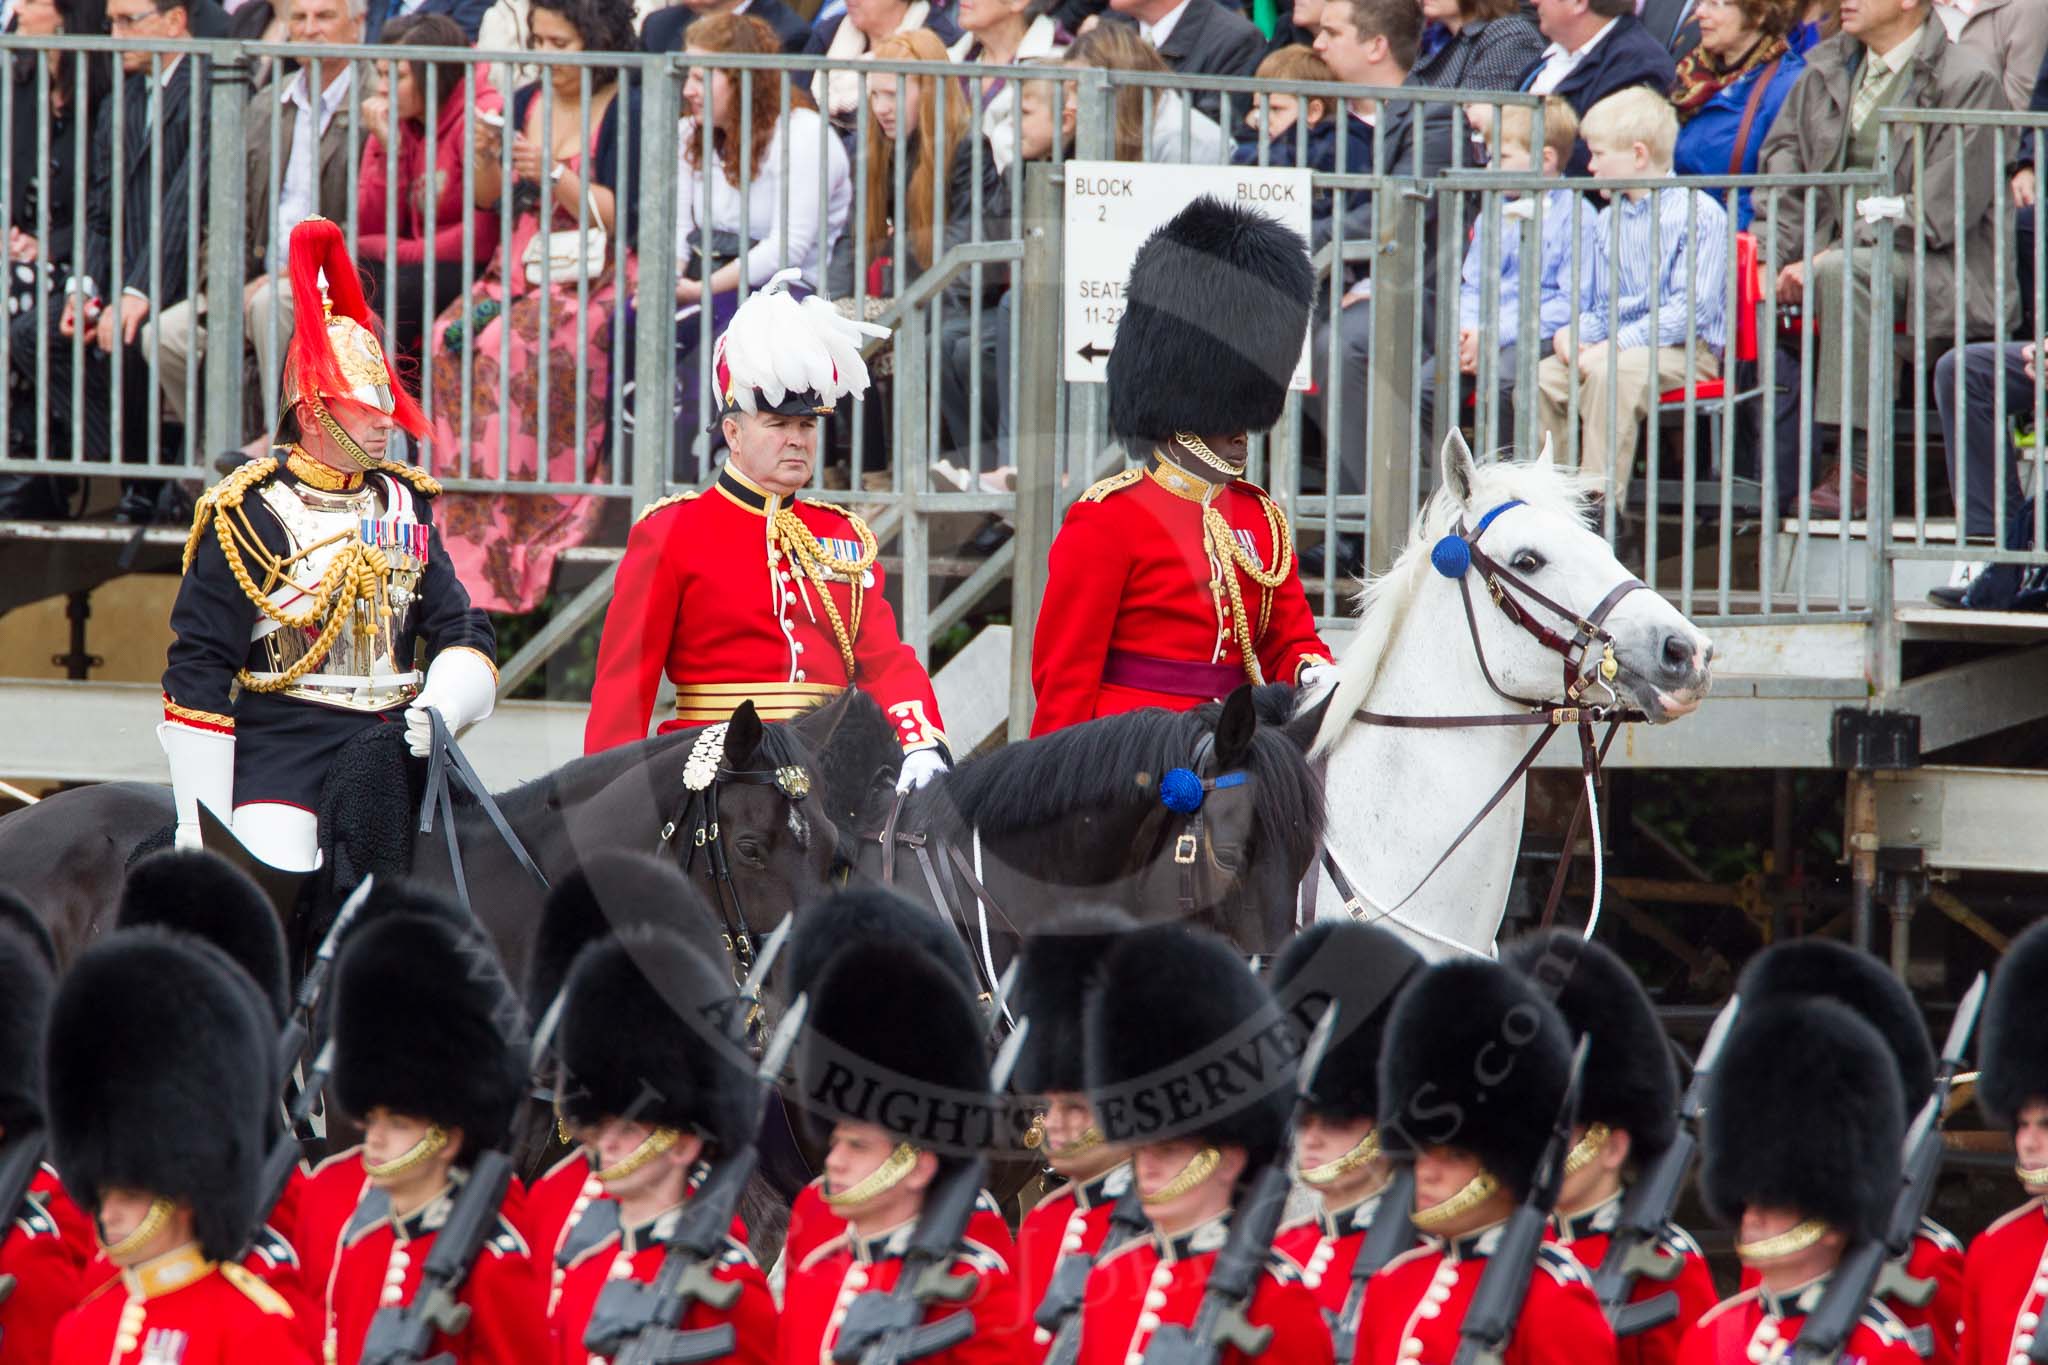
[1477, 1191]
[885, 1178]
[146, 1231]
[1199, 1168]
[1788, 1243]
[2034, 1176]
[1199, 448]
[424, 1150]
[655, 1144]
[1582, 1153]
[1087, 1142]
[1330, 1172]
[338, 435]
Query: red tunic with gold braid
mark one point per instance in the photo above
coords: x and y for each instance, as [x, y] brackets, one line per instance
[1586, 1235]
[181, 1309]
[1071, 1221]
[1415, 1308]
[1326, 1248]
[1141, 608]
[738, 595]
[2005, 1287]
[1937, 1255]
[1757, 1327]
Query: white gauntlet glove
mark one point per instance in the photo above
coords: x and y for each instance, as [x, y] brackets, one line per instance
[1315, 676]
[461, 686]
[919, 767]
[202, 769]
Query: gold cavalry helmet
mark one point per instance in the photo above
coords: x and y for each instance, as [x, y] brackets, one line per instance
[334, 350]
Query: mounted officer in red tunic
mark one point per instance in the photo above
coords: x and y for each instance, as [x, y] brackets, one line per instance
[1171, 584]
[749, 591]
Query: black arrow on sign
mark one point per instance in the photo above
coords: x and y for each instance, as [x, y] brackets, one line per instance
[1092, 352]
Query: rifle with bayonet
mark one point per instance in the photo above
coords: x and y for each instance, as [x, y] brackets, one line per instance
[1504, 1285]
[1059, 1312]
[1875, 1268]
[298, 1025]
[1632, 1250]
[1392, 1233]
[889, 1327]
[404, 1335]
[1222, 1321]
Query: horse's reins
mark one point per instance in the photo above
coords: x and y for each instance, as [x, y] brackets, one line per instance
[443, 758]
[1453, 556]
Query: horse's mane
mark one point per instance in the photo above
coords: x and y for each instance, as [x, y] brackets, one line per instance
[1383, 601]
[1097, 765]
[850, 741]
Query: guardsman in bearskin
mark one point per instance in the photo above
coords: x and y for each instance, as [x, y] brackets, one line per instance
[1071, 1224]
[750, 591]
[314, 583]
[1628, 1117]
[649, 1071]
[74, 1227]
[425, 1056]
[1172, 1004]
[1800, 1151]
[46, 1269]
[161, 1067]
[2005, 1279]
[1172, 583]
[1475, 1065]
[893, 1074]
[1826, 968]
[1361, 968]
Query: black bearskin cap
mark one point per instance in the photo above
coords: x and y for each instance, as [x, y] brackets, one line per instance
[161, 1067]
[1829, 967]
[1214, 315]
[2013, 1045]
[1363, 968]
[1172, 1002]
[643, 1034]
[16, 913]
[1060, 966]
[204, 894]
[1475, 1058]
[1803, 1113]
[605, 894]
[26, 985]
[869, 916]
[425, 1025]
[894, 1038]
[1631, 1081]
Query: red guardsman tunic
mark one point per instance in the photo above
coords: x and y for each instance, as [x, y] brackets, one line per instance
[1071, 1221]
[2005, 1286]
[72, 1224]
[719, 591]
[377, 1265]
[326, 1197]
[47, 1283]
[271, 1259]
[1759, 1326]
[1938, 1256]
[1586, 1236]
[835, 1273]
[1138, 611]
[1415, 1307]
[181, 1309]
[1152, 1281]
[555, 1200]
[1326, 1248]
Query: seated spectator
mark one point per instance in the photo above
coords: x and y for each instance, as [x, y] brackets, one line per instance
[1299, 26]
[2010, 35]
[1887, 54]
[504, 545]
[1475, 45]
[1567, 223]
[790, 226]
[1002, 33]
[852, 35]
[1973, 441]
[1821, 19]
[1197, 38]
[1283, 124]
[1729, 89]
[666, 28]
[1596, 48]
[467, 14]
[428, 269]
[1667, 311]
[1178, 130]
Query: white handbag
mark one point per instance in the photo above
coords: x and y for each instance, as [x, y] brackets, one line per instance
[559, 257]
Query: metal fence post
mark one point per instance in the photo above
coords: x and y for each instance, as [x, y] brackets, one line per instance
[1396, 273]
[1039, 366]
[654, 328]
[226, 245]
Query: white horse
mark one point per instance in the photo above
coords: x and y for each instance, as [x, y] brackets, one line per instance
[1398, 797]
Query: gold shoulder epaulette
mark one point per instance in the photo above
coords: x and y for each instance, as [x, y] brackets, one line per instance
[420, 479]
[660, 504]
[254, 1290]
[228, 493]
[1114, 483]
[853, 518]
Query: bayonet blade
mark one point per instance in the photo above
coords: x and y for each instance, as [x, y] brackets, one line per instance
[1956, 1051]
[750, 991]
[1006, 1058]
[1312, 1054]
[999, 999]
[544, 1031]
[776, 1054]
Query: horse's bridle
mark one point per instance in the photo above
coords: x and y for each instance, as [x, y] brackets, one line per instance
[704, 773]
[1185, 791]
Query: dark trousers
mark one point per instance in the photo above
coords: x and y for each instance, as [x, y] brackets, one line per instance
[1503, 436]
[95, 413]
[1983, 449]
[991, 432]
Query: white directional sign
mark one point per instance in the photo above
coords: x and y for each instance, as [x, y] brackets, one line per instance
[1113, 206]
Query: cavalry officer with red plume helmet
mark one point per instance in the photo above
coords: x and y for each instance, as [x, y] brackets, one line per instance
[749, 591]
[1820, 968]
[1060, 966]
[1628, 1117]
[313, 579]
[1800, 1152]
[46, 1269]
[425, 1055]
[2005, 1278]
[1361, 968]
[1475, 1066]
[1172, 1002]
[1172, 583]
[161, 1066]
[650, 1073]
[893, 1075]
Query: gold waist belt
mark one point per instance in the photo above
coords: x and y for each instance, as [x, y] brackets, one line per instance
[709, 703]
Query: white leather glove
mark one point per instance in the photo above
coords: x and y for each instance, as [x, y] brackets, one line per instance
[1315, 676]
[919, 767]
[202, 769]
[461, 686]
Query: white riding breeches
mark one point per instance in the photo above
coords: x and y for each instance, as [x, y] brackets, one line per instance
[286, 837]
